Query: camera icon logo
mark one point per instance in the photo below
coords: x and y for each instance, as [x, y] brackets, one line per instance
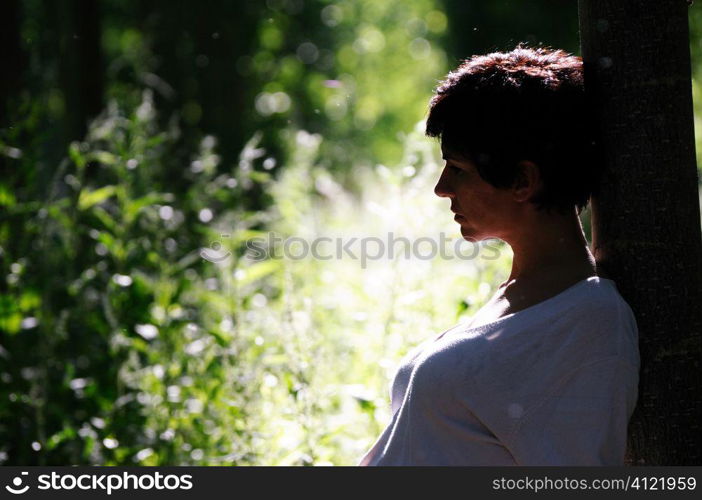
[215, 253]
[17, 483]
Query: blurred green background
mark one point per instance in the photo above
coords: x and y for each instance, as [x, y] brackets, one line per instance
[137, 137]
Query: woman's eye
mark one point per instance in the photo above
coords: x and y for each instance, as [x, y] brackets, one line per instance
[454, 169]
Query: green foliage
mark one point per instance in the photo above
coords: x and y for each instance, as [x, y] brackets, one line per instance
[696, 59]
[355, 71]
[106, 302]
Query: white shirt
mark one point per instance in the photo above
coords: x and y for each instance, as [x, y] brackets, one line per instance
[553, 384]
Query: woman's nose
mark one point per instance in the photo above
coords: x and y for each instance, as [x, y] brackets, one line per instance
[443, 187]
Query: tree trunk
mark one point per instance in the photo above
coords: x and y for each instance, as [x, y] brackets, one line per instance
[646, 217]
[13, 61]
[80, 63]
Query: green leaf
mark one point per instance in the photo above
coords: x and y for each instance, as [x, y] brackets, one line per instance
[104, 157]
[105, 218]
[257, 271]
[133, 207]
[260, 177]
[29, 300]
[66, 434]
[11, 323]
[155, 140]
[7, 198]
[76, 155]
[89, 198]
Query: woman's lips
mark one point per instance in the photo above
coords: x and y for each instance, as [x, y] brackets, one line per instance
[458, 217]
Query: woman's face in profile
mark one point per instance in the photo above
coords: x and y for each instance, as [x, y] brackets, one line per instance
[482, 210]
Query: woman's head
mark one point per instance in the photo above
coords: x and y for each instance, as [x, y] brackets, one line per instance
[500, 110]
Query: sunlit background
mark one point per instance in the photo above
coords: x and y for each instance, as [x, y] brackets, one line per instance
[145, 143]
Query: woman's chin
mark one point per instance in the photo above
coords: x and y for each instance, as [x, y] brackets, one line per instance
[468, 235]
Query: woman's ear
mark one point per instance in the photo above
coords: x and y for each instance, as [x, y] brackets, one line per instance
[527, 182]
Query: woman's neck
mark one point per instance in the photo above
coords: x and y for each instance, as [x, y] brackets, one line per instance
[550, 247]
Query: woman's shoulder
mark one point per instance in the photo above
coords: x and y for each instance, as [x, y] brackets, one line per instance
[589, 299]
[589, 320]
[600, 297]
[593, 296]
[599, 322]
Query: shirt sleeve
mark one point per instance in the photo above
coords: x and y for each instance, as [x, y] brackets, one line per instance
[583, 420]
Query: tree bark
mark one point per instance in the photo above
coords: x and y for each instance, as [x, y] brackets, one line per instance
[646, 216]
[80, 63]
[13, 60]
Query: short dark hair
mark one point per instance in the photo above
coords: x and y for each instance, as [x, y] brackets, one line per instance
[527, 104]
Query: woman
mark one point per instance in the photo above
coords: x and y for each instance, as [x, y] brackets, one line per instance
[546, 373]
